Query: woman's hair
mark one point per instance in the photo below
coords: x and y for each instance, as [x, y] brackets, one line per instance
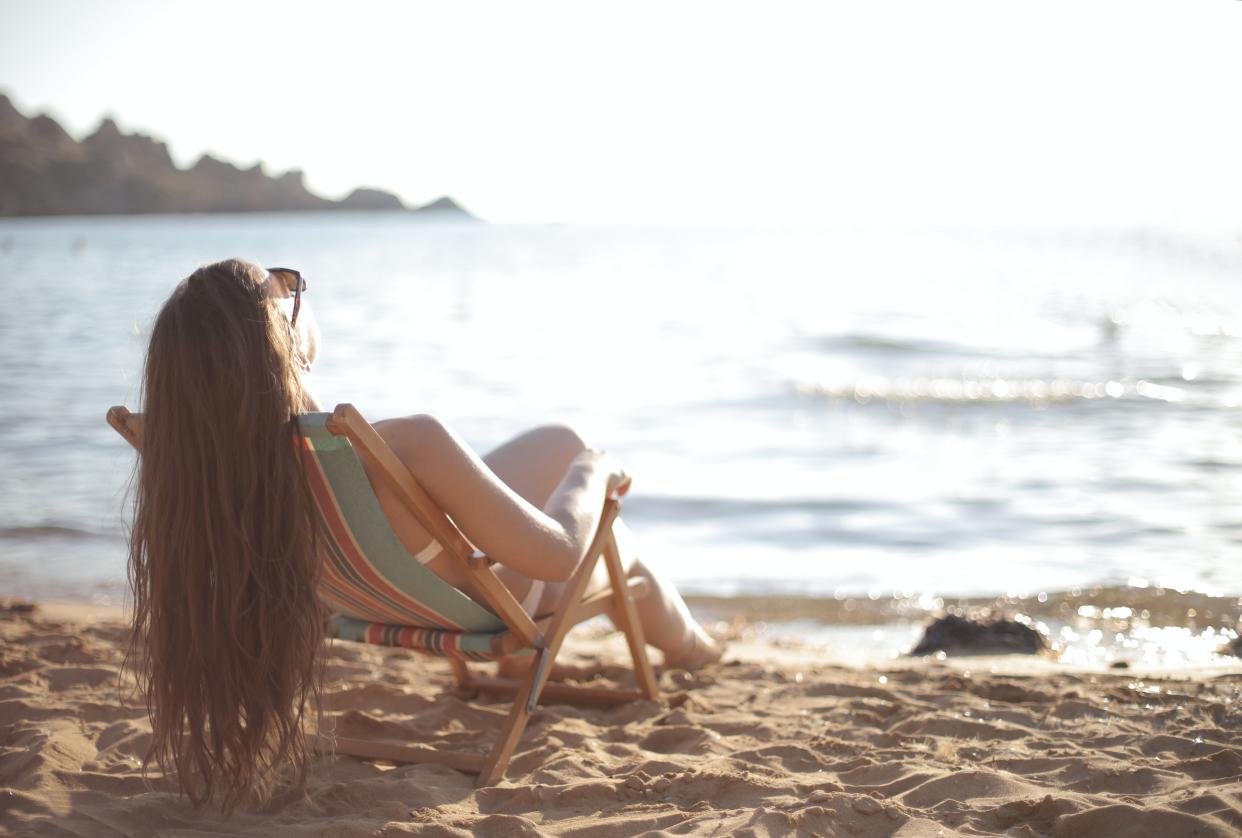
[222, 557]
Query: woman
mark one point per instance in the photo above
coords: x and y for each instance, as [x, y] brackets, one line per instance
[223, 552]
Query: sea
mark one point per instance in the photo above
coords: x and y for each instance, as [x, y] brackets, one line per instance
[904, 416]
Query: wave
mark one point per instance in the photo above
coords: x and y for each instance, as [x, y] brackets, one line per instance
[883, 343]
[681, 508]
[894, 346]
[990, 390]
[50, 531]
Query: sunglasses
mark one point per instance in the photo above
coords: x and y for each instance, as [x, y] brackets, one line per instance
[293, 281]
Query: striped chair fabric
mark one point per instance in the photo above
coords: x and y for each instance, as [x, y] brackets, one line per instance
[466, 645]
[380, 592]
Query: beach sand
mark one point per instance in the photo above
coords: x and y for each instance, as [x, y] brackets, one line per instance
[773, 741]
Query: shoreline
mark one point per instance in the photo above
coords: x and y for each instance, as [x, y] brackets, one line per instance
[749, 642]
[1151, 629]
[1153, 604]
[1086, 631]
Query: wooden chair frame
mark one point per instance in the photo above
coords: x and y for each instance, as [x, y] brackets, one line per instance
[545, 636]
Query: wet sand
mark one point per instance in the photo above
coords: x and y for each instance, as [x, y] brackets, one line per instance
[773, 741]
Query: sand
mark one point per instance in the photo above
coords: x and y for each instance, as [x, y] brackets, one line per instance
[769, 742]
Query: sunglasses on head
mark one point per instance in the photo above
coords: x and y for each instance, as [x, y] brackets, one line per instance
[296, 284]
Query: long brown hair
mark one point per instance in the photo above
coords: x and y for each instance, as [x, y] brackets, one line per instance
[222, 557]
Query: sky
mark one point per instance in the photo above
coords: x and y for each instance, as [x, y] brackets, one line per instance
[1058, 112]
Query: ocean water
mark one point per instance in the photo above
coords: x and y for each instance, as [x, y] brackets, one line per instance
[827, 412]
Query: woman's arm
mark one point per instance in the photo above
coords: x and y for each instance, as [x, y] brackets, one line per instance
[543, 544]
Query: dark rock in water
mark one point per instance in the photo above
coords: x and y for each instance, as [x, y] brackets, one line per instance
[9, 607]
[956, 635]
[1233, 647]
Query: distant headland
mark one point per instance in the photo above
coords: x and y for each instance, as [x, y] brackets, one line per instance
[44, 171]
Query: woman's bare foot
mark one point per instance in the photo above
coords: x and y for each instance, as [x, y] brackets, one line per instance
[703, 649]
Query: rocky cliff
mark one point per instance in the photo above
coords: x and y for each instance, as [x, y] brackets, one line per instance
[44, 171]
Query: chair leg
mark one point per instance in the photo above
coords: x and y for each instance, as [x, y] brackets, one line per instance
[604, 543]
[627, 616]
[498, 760]
[461, 672]
[515, 723]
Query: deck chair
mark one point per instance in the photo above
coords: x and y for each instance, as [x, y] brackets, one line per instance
[382, 594]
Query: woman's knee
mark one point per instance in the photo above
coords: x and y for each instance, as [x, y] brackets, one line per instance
[559, 440]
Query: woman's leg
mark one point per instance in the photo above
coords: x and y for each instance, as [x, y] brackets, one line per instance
[533, 464]
[667, 622]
